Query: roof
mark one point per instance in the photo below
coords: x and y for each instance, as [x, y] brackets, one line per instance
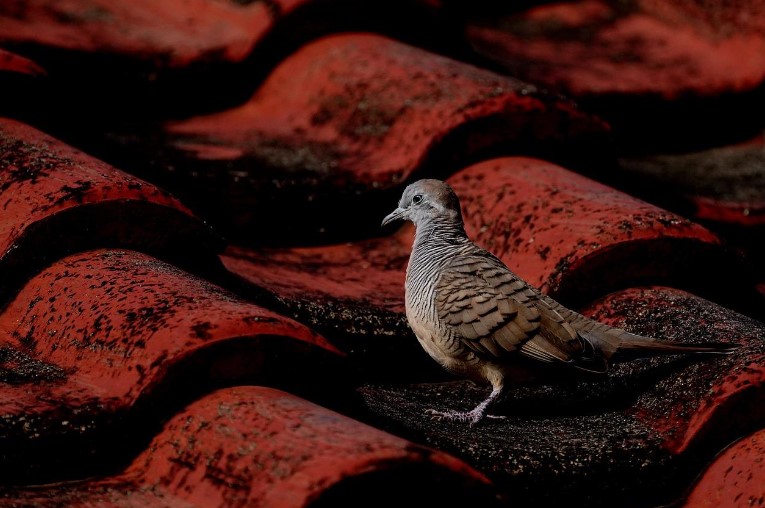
[198, 306]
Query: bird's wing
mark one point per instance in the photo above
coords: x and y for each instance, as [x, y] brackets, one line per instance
[558, 341]
[485, 304]
[495, 313]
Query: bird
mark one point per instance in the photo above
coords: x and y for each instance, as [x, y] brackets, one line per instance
[481, 321]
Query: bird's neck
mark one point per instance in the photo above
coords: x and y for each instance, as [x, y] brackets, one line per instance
[436, 242]
[440, 232]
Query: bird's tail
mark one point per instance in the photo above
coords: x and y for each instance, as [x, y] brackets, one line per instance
[621, 345]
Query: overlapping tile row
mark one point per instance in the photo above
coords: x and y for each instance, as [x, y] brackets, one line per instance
[98, 347]
[681, 83]
[332, 135]
[576, 239]
[337, 128]
[57, 200]
[104, 343]
[735, 478]
[158, 57]
[722, 186]
[649, 49]
[256, 446]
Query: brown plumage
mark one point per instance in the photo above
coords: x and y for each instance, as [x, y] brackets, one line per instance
[478, 319]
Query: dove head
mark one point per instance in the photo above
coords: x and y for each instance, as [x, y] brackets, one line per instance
[428, 202]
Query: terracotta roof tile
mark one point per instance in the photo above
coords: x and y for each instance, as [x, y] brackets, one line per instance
[57, 200]
[723, 185]
[106, 340]
[639, 436]
[735, 478]
[573, 237]
[260, 446]
[156, 57]
[340, 125]
[665, 73]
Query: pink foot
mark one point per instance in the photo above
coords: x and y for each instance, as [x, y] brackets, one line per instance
[470, 417]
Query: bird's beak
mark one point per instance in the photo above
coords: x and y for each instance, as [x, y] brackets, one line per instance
[397, 214]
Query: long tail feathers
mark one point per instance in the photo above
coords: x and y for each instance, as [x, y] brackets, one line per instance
[620, 345]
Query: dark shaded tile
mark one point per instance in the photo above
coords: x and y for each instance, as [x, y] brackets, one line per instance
[145, 58]
[723, 187]
[100, 346]
[663, 73]
[336, 130]
[57, 200]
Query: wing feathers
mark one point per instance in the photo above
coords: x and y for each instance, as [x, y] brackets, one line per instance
[474, 296]
[496, 313]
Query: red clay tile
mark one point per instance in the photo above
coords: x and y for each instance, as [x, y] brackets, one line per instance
[637, 436]
[179, 56]
[723, 185]
[668, 48]
[167, 34]
[258, 446]
[573, 237]
[11, 62]
[577, 239]
[661, 71]
[711, 400]
[57, 200]
[106, 342]
[735, 478]
[337, 128]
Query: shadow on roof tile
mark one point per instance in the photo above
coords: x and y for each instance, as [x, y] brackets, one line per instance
[180, 55]
[664, 73]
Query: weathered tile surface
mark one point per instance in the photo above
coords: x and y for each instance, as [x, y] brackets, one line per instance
[100, 346]
[338, 127]
[256, 446]
[58, 200]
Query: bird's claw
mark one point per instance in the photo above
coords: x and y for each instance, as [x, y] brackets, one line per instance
[470, 417]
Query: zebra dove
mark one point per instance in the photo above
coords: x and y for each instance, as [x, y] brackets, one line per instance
[479, 320]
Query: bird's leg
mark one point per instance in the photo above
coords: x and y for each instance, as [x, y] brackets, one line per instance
[472, 417]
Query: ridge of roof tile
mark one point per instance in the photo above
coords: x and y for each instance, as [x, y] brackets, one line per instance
[735, 478]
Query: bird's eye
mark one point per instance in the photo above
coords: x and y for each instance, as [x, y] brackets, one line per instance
[417, 199]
